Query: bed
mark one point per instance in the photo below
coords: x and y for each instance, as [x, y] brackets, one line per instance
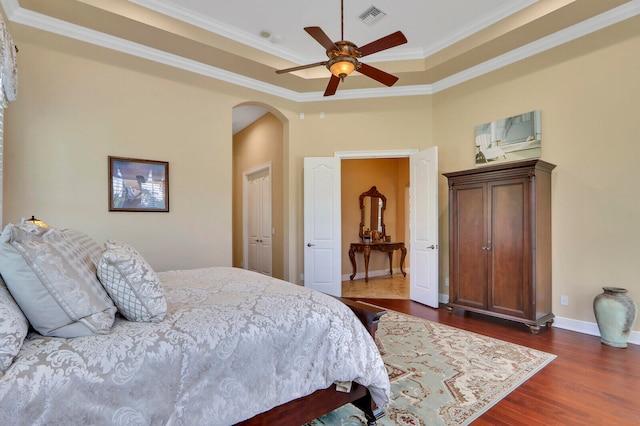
[233, 347]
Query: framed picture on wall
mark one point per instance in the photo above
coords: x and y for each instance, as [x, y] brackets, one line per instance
[510, 139]
[137, 185]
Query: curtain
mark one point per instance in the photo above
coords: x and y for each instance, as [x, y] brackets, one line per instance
[8, 67]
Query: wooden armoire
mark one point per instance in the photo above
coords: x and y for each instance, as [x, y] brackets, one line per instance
[500, 241]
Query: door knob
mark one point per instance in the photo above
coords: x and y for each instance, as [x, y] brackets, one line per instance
[310, 245]
[432, 247]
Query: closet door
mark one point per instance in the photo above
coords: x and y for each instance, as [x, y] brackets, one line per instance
[468, 245]
[510, 248]
[259, 223]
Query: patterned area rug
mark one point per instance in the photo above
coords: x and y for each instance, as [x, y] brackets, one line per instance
[442, 375]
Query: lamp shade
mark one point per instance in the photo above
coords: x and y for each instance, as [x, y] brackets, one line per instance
[342, 66]
[37, 222]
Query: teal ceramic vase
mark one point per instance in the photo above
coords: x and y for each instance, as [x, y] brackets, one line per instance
[615, 314]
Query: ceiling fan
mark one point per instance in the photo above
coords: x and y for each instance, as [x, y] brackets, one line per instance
[343, 56]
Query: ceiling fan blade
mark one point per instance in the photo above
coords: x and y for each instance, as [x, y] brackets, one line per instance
[392, 40]
[301, 67]
[321, 37]
[332, 86]
[378, 75]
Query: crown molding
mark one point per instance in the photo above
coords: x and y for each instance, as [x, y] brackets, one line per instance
[403, 53]
[611, 17]
[223, 29]
[379, 153]
[479, 24]
[46, 23]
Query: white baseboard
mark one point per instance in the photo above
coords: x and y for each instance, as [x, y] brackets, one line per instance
[584, 327]
[590, 328]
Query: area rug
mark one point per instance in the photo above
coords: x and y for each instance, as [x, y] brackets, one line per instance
[441, 375]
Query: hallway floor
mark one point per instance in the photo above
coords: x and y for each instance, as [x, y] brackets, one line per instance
[385, 287]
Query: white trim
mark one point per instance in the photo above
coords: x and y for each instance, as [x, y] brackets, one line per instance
[480, 24]
[218, 27]
[588, 26]
[584, 327]
[383, 153]
[26, 17]
[403, 54]
[590, 328]
[443, 298]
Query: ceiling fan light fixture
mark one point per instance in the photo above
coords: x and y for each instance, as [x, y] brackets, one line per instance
[342, 66]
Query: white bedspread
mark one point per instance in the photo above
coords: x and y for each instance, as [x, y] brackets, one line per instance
[234, 344]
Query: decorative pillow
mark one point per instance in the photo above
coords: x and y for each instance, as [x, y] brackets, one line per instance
[53, 280]
[132, 284]
[13, 328]
[86, 244]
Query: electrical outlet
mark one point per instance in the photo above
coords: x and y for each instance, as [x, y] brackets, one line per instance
[564, 300]
[446, 282]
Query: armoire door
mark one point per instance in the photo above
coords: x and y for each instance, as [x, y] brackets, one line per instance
[510, 248]
[469, 254]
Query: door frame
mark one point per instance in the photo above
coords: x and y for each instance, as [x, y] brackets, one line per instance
[398, 153]
[246, 174]
[368, 155]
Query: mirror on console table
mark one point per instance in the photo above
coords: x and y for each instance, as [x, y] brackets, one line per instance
[372, 207]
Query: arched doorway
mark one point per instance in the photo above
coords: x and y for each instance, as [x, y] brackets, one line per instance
[258, 146]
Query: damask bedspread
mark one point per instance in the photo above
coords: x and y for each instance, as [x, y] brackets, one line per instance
[233, 344]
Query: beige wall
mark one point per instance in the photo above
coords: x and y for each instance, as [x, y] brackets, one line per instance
[74, 110]
[373, 124]
[259, 144]
[390, 176]
[588, 93]
[79, 103]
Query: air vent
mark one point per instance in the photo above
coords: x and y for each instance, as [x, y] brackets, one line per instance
[372, 15]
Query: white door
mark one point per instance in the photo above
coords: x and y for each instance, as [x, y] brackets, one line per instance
[423, 223]
[322, 225]
[258, 221]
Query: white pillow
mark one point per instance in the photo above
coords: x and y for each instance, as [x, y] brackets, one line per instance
[53, 280]
[132, 284]
[13, 328]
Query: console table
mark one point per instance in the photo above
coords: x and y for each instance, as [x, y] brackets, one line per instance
[379, 246]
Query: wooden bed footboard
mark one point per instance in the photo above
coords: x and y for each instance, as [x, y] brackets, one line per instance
[369, 315]
[323, 401]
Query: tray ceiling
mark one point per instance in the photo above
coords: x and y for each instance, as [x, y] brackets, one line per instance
[245, 42]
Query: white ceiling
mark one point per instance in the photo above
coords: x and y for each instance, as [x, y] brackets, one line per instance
[244, 115]
[429, 25]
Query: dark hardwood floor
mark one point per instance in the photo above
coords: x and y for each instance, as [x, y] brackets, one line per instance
[587, 384]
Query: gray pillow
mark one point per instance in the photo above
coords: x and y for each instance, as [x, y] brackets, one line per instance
[132, 284]
[13, 328]
[53, 279]
[86, 244]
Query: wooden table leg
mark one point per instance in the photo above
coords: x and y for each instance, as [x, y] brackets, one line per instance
[367, 252]
[403, 249]
[391, 262]
[352, 257]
